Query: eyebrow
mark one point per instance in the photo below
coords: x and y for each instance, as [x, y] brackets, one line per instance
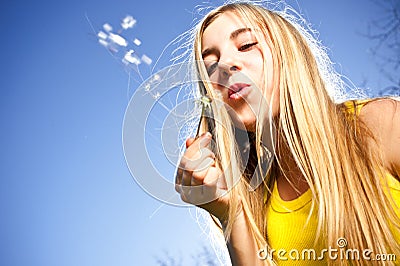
[237, 32]
[232, 36]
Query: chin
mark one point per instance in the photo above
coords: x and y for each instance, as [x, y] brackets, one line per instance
[248, 124]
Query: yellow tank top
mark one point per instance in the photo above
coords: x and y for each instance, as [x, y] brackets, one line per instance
[292, 225]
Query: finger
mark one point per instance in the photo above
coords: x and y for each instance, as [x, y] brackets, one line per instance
[186, 177]
[178, 176]
[205, 139]
[196, 166]
[189, 142]
[199, 175]
[207, 191]
[194, 176]
[178, 180]
[191, 163]
[178, 188]
[187, 167]
[195, 152]
[199, 142]
[186, 182]
[213, 176]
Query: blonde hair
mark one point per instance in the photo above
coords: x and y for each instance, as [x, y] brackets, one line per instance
[343, 173]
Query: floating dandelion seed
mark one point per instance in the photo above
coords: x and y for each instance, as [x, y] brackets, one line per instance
[147, 60]
[130, 58]
[103, 42]
[156, 77]
[137, 42]
[116, 41]
[156, 96]
[128, 22]
[102, 35]
[151, 86]
[107, 27]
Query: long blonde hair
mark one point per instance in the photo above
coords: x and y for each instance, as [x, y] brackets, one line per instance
[331, 151]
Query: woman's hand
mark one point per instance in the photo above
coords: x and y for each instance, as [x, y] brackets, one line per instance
[199, 179]
[201, 182]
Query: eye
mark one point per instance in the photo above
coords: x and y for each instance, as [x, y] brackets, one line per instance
[247, 46]
[211, 68]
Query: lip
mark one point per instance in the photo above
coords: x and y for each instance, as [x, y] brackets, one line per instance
[238, 90]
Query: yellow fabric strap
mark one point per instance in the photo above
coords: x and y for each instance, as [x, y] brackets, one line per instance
[353, 107]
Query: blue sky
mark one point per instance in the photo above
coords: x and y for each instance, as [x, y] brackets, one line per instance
[66, 194]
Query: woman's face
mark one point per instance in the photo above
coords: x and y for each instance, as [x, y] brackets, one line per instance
[235, 63]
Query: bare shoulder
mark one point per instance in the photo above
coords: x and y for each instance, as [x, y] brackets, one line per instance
[382, 117]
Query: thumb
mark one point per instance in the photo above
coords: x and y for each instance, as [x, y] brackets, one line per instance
[189, 142]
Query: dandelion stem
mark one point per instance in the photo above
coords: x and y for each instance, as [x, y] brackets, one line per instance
[205, 102]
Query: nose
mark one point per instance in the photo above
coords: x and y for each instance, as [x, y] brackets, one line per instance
[230, 62]
[228, 68]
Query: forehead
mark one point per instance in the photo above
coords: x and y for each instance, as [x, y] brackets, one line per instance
[222, 27]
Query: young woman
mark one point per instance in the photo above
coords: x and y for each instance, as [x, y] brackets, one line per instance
[332, 187]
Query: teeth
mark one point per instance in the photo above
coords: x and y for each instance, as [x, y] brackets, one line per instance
[234, 92]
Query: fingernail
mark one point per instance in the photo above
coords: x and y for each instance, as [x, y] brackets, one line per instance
[205, 139]
[207, 135]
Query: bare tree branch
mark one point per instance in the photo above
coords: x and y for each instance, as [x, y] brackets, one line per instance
[206, 257]
[385, 32]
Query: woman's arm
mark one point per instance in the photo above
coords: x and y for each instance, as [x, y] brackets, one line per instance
[382, 117]
[242, 245]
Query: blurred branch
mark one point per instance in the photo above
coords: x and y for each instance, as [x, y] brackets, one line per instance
[385, 32]
[206, 257]
[168, 260]
[389, 91]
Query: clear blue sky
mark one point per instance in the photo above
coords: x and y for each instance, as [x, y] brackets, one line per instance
[66, 194]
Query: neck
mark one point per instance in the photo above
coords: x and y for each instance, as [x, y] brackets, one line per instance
[290, 181]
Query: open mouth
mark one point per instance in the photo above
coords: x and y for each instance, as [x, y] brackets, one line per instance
[237, 90]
